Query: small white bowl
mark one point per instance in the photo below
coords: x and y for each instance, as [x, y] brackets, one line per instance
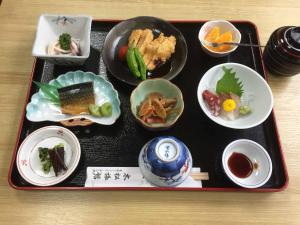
[257, 154]
[50, 27]
[253, 84]
[28, 161]
[224, 26]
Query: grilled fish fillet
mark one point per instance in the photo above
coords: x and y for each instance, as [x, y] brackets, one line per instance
[75, 99]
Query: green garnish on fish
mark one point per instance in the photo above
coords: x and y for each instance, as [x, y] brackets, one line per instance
[65, 41]
[244, 110]
[95, 110]
[104, 110]
[229, 83]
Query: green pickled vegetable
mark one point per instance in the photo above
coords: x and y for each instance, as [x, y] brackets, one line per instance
[49, 90]
[141, 63]
[244, 110]
[106, 109]
[45, 159]
[95, 110]
[60, 145]
[65, 41]
[132, 62]
[47, 166]
[43, 154]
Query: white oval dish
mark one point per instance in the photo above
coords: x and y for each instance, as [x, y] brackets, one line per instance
[28, 161]
[253, 84]
[224, 26]
[257, 154]
[42, 109]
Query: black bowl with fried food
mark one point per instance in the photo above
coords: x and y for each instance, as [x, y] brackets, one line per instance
[161, 30]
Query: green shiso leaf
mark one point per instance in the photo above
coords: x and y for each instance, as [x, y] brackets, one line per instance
[229, 83]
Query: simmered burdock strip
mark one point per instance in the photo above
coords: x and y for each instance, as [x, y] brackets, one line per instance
[57, 157]
[155, 108]
[75, 99]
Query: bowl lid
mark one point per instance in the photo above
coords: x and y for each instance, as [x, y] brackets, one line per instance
[292, 37]
[167, 150]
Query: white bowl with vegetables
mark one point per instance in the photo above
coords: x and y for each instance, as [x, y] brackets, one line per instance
[48, 156]
[63, 40]
[235, 96]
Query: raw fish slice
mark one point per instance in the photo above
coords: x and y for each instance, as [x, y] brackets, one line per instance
[75, 99]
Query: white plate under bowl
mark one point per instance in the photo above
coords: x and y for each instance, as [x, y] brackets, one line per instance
[28, 161]
[257, 154]
[253, 84]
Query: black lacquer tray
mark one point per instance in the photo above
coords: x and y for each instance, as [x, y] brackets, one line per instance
[119, 145]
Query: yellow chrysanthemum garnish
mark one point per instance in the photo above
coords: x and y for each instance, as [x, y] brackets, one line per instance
[229, 105]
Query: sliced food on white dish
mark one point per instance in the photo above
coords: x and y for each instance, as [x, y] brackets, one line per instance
[235, 96]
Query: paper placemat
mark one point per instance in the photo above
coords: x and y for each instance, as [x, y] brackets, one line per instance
[129, 177]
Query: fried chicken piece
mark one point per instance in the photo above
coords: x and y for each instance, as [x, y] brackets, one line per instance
[145, 39]
[134, 37]
[140, 39]
[160, 49]
[153, 51]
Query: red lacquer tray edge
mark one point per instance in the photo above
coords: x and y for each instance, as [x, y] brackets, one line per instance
[283, 187]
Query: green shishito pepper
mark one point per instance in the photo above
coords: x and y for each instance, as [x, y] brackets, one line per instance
[141, 63]
[132, 62]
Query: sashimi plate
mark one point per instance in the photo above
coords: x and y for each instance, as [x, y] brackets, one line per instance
[41, 108]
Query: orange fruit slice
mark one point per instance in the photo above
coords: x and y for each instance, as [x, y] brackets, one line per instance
[225, 37]
[213, 34]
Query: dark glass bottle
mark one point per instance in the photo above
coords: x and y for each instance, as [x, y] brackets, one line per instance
[282, 52]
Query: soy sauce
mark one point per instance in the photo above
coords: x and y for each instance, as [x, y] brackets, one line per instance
[240, 165]
[161, 70]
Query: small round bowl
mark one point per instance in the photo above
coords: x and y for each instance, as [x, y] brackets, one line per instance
[164, 87]
[224, 26]
[257, 154]
[28, 161]
[253, 84]
[118, 37]
[165, 161]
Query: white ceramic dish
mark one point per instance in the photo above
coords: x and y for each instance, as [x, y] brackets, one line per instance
[28, 162]
[51, 26]
[224, 26]
[42, 109]
[257, 154]
[253, 85]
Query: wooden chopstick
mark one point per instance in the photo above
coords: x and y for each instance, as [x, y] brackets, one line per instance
[200, 176]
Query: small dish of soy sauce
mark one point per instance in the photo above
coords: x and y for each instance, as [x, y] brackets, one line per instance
[247, 163]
